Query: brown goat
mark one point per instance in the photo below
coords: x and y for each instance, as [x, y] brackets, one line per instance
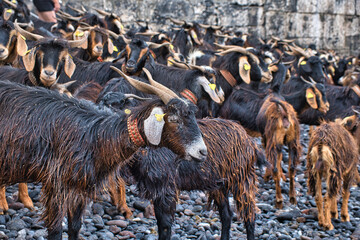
[278, 124]
[333, 156]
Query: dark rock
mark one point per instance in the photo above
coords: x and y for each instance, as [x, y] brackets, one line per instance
[98, 222]
[16, 224]
[16, 205]
[119, 223]
[112, 211]
[141, 205]
[287, 215]
[127, 233]
[98, 209]
[3, 236]
[40, 233]
[114, 229]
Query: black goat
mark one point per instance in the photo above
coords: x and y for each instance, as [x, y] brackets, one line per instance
[60, 126]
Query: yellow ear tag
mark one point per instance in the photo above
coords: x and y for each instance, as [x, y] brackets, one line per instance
[159, 117]
[79, 34]
[23, 37]
[195, 36]
[121, 27]
[212, 86]
[9, 11]
[127, 111]
[115, 49]
[27, 51]
[171, 47]
[14, 1]
[310, 95]
[247, 67]
[169, 63]
[349, 63]
[303, 63]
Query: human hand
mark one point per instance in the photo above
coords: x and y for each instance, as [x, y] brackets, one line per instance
[56, 5]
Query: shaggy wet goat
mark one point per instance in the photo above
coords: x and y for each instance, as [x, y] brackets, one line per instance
[333, 156]
[71, 146]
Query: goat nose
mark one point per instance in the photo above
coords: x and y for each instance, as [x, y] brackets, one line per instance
[130, 64]
[99, 48]
[203, 152]
[49, 73]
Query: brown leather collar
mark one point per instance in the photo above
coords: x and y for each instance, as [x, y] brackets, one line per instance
[189, 95]
[134, 133]
[228, 77]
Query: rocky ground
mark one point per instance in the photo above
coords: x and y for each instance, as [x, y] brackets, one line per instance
[193, 219]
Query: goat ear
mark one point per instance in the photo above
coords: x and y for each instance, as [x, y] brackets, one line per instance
[311, 98]
[78, 34]
[110, 46]
[244, 69]
[154, 125]
[151, 60]
[29, 59]
[69, 66]
[349, 122]
[209, 88]
[8, 12]
[21, 46]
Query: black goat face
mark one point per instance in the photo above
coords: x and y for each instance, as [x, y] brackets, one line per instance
[47, 59]
[137, 53]
[313, 68]
[182, 130]
[97, 40]
[7, 40]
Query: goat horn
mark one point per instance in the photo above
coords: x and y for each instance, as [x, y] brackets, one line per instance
[312, 80]
[159, 86]
[196, 67]
[204, 25]
[181, 65]
[227, 46]
[83, 8]
[224, 36]
[68, 16]
[119, 26]
[355, 111]
[127, 41]
[130, 95]
[13, 5]
[77, 43]
[26, 34]
[145, 87]
[298, 50]
[177, 22]
[101, 12]
[111, 33]
[76, 10]
[311, 83]
[156, 45]
[146, 33]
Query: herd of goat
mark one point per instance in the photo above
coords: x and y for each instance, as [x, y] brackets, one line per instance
[78, 114]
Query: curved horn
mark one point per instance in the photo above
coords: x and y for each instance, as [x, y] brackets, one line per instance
[127, 41]
[144, 87]
[156, 45]
[204, 25]
[77, 43]
[355, 111]
[298, 50]
[177, 22]
[67, 16]
[101, 12]
[76, 10]
[311, 83]
[161, 87]
[233, 49]
[227, 46]
[130, 95]
[224, 36]
[147, 33]
[26, 34]
[111, 33]
[180, 64]
[11, 4]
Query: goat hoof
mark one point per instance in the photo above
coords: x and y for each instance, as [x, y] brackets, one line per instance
[279, 204]
[345, 218]
[328, 227]
[334, 215]
[126, 212]
[28, 203]
[293, 200]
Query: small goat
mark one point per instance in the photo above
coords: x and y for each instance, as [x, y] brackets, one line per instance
[332, 156]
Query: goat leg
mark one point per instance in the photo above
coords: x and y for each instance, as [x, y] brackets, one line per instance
[292, 169]
[327, 219]
[344, 206]
[74, 220]
[165, 217]
[319, 200]
[118, 196]
[333, 208]
[23, 196]
[249, 220]
[277, 173]
[3, 203]
[221, 199]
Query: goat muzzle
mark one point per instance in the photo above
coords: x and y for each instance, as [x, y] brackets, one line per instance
[4, 53]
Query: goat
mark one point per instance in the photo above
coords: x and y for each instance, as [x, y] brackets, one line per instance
[43, 62]
[223, 172]
[276, 121]
[333, 156]
[55, 127]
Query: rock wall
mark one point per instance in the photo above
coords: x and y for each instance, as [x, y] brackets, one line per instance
[327, 23]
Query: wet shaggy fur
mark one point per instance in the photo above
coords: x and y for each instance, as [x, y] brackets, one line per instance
[333, 157]
[71, 146]
[229, 169]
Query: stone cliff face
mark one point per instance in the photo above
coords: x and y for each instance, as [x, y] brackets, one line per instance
[327, 23]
